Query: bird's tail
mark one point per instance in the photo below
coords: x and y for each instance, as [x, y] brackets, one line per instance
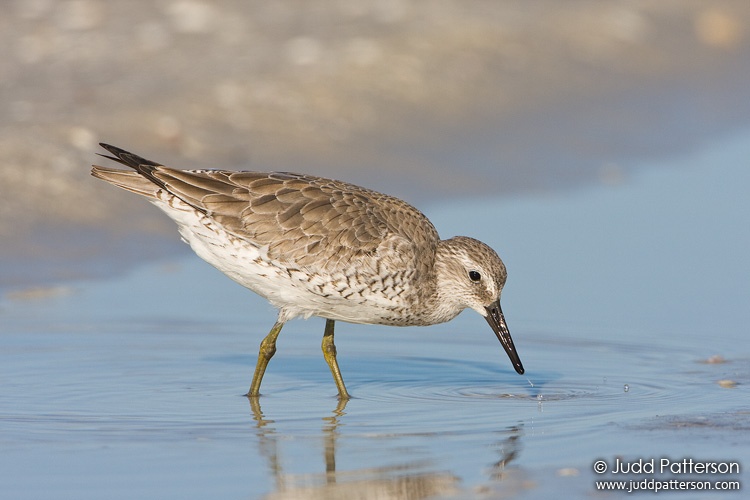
[140, 180]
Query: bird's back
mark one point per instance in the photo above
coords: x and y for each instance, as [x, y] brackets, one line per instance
[370, 245]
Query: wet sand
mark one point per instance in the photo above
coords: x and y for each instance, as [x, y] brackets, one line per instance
[399, 96]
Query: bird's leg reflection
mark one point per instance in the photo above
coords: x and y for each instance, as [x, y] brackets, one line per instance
[269, 446]
[260, 420]
[330, 434]
[267, 442]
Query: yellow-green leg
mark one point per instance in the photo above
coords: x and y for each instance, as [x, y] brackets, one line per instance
[329, 352]
[267, 350]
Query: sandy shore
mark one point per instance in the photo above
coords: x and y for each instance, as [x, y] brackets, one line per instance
[420, 99]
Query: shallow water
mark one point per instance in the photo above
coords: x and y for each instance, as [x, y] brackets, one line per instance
[617, 296]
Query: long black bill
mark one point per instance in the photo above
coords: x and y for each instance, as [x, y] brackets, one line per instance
[497, 321]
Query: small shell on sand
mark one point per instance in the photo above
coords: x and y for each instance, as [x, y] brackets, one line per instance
[727, 384]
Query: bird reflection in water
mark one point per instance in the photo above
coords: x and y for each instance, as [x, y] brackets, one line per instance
[398, 481]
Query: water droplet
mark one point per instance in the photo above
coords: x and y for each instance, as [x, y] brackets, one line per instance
[539, 397]
[626, 388]
[530, 383]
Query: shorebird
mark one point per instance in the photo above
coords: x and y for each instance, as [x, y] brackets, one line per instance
[321, 247]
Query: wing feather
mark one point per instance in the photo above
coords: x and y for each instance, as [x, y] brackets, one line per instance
[303, 220]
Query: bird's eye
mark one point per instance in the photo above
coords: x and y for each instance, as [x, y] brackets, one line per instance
[474, 276]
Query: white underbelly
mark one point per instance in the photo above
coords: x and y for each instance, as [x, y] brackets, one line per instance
[294, 291]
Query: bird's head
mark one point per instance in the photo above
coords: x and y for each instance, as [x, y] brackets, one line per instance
[472, 275]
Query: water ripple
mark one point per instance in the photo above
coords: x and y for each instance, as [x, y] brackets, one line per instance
[447, 395]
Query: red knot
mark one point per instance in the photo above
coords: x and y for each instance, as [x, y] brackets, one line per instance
[321, 247]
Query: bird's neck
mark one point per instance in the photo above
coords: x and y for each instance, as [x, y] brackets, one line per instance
[443, 304]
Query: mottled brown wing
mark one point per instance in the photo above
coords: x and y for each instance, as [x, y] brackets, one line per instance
[308, 221]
